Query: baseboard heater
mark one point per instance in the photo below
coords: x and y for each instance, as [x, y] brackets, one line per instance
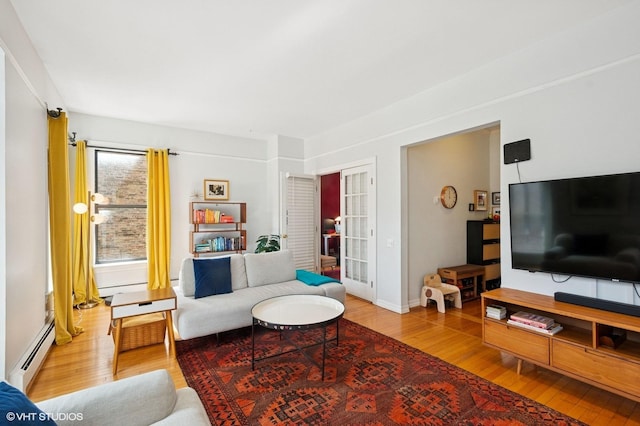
[29, 364]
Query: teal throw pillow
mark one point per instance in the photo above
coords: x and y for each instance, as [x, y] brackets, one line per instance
[16, 409]
[213, 276]
[311, 278]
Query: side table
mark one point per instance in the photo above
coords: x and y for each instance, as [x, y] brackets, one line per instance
[125, 305]
[466, 277]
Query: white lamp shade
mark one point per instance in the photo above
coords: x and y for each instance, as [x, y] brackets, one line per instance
[98, 219]
[80, 208]
[100, 199]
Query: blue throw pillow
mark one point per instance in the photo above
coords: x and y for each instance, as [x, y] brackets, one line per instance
[16, 409]
[213, 276]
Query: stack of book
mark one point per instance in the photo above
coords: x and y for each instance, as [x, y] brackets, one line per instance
[202, 248]
[496, 311]
[534, 322]
[207, 216]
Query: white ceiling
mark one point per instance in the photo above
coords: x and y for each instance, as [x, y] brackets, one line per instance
[260, 67]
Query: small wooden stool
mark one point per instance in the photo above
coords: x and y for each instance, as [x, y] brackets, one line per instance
[434, 289]
[327, 262]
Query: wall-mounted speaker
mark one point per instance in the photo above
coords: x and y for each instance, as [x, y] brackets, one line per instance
[516, 152]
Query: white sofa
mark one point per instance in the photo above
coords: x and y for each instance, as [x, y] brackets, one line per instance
[254, 277]
[147, 399]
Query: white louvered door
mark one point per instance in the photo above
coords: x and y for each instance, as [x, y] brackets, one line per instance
[299, 220]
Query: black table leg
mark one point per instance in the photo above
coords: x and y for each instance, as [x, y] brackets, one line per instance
[253, 346]
[324, 348]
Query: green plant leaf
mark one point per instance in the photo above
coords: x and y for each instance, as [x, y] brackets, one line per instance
[268, 243]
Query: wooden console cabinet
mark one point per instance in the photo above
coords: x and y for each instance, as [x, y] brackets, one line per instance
[580, 350]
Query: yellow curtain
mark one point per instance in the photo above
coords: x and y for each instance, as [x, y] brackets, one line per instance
[60, 229]
[158, 219]
[81, 239]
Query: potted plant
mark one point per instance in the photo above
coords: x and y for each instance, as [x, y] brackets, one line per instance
[267, 243]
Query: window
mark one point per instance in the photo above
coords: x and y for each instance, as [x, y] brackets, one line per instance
[122, 177]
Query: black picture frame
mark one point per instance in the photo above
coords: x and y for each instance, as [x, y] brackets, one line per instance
[495, 198]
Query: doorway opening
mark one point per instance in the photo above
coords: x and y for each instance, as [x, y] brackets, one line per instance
[330, 225]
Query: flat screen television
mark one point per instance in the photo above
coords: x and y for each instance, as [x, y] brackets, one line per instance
[587, 226]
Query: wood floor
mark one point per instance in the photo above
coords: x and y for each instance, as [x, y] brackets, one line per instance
[454, 337]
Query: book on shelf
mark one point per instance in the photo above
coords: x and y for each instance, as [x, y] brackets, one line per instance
[532, 319]
[496, 311]
[206, 216]
[496, 308]
[202, 248]
[496, 315]
[225, 218]
[550, 331]
[219, 244]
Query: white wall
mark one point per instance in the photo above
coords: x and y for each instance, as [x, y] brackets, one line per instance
[24, 263]
[3, 220]
[576, 96]
[201, 156]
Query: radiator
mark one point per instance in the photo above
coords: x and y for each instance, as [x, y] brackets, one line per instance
[29, 364]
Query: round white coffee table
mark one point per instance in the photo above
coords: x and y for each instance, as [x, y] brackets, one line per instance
[297, 312]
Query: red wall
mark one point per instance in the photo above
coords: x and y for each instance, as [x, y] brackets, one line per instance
[329, 197]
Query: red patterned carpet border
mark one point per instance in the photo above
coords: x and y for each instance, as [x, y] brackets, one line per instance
[370, 379]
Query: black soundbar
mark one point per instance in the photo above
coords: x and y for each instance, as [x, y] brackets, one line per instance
[592, 302]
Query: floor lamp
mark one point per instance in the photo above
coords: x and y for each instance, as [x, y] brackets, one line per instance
[88, 208]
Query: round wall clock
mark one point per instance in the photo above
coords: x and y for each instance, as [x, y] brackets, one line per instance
[448, 196]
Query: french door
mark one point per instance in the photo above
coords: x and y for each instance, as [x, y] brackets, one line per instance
[357, 236]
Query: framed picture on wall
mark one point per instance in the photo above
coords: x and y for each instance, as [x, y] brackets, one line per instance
[216, 190]
[495, 198]
[480, 200]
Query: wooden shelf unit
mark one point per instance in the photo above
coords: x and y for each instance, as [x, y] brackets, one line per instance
[483, 248]
[230, 232]
[577, 351]
[468, 278]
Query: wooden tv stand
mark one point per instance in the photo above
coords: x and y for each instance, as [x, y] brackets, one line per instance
[580, 350]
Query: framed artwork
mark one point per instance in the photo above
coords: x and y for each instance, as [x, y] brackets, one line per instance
[495, 198]
[495, 211]
[216, 190]
[480, 200]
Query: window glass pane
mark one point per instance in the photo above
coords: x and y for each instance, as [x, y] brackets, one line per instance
[123, 236]
[122, 178]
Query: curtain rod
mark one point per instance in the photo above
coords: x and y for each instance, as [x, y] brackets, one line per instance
[72, 142]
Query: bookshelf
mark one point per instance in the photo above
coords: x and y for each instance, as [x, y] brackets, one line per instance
[217, 227]
[597, 347]
[483, 248]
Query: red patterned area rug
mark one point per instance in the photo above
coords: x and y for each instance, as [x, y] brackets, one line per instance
[370, 379]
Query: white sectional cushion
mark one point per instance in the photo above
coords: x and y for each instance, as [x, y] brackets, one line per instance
[269, 268]
[187, 278]
[238, 272]
[222, 312]
[138, 400]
